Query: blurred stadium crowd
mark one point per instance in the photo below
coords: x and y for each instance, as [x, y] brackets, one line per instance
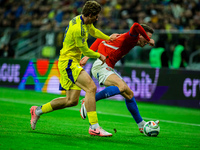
[118, 15]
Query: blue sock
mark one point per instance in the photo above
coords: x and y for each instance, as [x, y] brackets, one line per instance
[107, 92]
[133, 109]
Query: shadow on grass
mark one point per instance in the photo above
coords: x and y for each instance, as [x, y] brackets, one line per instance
[45, 133]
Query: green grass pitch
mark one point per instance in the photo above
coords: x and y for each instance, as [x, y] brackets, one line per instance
[64, 129]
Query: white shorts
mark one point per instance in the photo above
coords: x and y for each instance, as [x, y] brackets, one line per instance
[101, 72]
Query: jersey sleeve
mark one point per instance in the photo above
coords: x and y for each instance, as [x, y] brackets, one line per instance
[81, 43]
[97, 33]
[89, 53]
[95, 45]
[137, 29]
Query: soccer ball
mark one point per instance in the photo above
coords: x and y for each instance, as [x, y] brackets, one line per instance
[151, 128]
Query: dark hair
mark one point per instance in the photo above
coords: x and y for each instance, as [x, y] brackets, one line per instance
[91, 7]
[147, 28]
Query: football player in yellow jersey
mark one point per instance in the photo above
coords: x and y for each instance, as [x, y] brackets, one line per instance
[73, 77]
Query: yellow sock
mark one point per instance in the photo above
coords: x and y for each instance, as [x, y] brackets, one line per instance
[47, 108]
[92, 116]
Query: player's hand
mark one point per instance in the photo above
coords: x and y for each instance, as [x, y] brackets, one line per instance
[83, 61]
[152, 42]
[103, 58]
[114, 36]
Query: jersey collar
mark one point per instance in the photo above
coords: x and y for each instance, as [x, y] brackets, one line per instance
[82, 19]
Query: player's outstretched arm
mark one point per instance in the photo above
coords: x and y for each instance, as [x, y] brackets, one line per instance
[88, 52]
[93, 47]
[138, 29]
[98, 34]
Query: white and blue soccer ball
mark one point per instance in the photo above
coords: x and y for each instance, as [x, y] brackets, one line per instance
[151, 128]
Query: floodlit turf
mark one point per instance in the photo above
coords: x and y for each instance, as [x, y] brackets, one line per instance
[64, 129]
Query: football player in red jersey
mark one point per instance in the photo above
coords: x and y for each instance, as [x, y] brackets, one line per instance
[138, 35]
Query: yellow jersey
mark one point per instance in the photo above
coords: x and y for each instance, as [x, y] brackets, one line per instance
[75, 40]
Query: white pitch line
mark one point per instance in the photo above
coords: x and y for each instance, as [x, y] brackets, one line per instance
[168, 121]
[99, 112]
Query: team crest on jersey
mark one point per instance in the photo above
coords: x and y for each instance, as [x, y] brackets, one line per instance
[108, 69]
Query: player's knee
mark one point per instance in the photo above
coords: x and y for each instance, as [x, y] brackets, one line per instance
[93, 88]
[130, 95]
[122, 88]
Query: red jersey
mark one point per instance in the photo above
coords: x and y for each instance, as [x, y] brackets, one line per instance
[118, 48]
